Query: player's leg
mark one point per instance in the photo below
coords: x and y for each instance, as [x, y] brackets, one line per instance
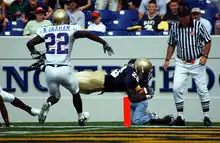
[4, 112]
[139, 116]
[90, 81]
[54, 91]
[199, 76]
[70, 83]
[179, 82]
[7, 97]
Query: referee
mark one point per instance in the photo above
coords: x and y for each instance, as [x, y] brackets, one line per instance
[189, 36]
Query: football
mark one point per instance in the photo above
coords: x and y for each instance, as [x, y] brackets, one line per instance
[141, 91]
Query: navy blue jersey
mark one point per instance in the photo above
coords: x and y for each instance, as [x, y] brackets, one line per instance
[121, 79]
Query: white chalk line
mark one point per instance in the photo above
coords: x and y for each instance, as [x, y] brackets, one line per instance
[48, 132]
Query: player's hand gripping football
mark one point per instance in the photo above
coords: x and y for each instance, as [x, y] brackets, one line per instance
[35, 54]
[109, 49]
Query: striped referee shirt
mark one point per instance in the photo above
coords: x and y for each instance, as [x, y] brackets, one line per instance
[189, 40]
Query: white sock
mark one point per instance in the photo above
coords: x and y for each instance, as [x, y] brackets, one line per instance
[180, 114]
[205, 114]
[80, 115]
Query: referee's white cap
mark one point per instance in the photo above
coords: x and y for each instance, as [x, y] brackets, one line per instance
[196, 10]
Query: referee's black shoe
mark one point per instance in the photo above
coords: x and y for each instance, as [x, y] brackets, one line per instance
[179, 121]
[207, 121]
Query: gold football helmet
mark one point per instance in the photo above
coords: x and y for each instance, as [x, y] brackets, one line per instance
[59, 17]
[142, 67]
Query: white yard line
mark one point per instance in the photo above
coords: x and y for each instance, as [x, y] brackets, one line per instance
[42, 132]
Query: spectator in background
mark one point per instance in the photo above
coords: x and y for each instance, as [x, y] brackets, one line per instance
[151, 20]
[217, 24]
[32, 26]
[50, 3]
[196, 15]
[97, 25]
[75, 15]
[47, 4]
[29, 11]
[122, 5]
[106, 4]
[161, 7]
[134, 4]
[172, 16]
[217, 17]
[2, 16]
[85, 4]
[62, 4]
[16, 9]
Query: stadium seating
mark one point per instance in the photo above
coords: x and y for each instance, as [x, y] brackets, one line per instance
[12, 33]
[15, 25]
[118, 33]
[143, 33]
[98, 33]
[126, 15]
[196, 3]
[119, 24]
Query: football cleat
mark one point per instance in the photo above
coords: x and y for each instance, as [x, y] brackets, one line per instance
[35, 112]
[6, 126]
[43, 113]
[83, 120]
[207, 121]
[178, 122]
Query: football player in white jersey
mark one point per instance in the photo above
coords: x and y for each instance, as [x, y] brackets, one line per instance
[59, 40]
[10, 98]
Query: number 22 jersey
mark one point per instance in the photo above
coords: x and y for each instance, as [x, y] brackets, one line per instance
[59, 41]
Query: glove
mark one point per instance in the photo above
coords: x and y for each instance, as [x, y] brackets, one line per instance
[35, 54]
[107, 48]
[149, 96]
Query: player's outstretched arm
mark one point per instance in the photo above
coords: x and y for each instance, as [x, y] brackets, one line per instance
[91, 36]
[30, 44]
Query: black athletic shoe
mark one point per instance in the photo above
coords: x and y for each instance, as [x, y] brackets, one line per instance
[178, 122]
[207, 121]
[82, 122]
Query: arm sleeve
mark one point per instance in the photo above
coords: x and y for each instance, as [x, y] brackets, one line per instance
[208, 27]
[172, 39]
[203, 33]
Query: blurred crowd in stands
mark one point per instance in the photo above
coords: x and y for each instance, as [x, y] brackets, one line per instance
[106, 17]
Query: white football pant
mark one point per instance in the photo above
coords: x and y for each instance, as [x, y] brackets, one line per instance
[181, 73]
[7, 97]
[63, 75]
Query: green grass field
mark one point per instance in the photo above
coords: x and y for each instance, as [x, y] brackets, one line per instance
[108, 132]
